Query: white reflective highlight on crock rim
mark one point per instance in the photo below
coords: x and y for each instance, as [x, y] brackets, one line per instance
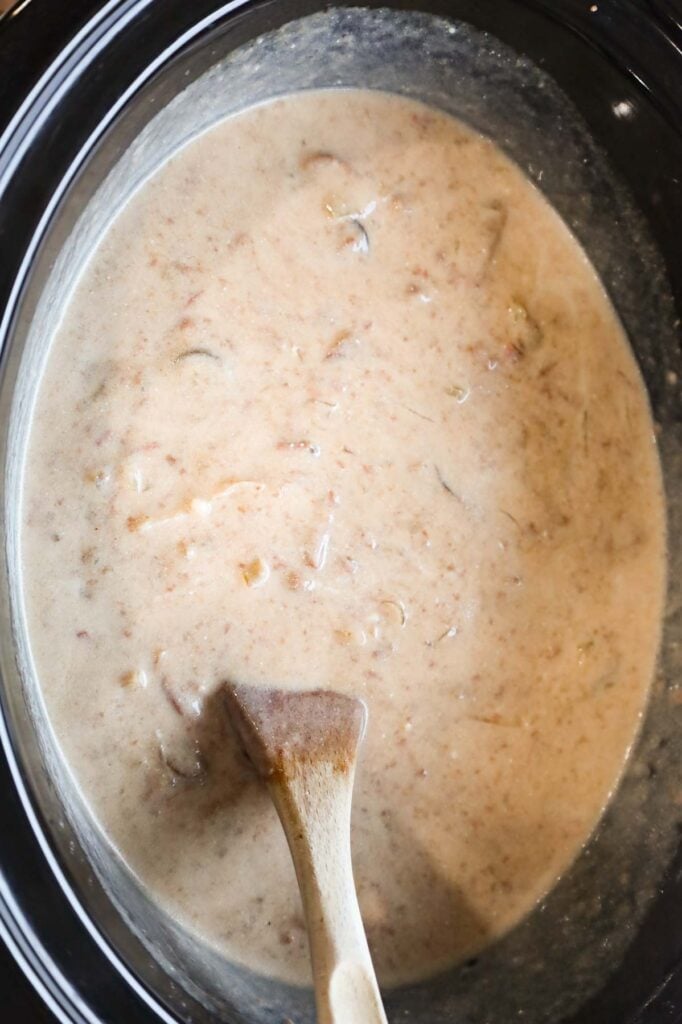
[38, 953]
[91, 54]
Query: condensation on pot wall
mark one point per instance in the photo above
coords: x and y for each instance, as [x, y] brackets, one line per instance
[551, 962]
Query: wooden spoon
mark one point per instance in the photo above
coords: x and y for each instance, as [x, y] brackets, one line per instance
[304, 745]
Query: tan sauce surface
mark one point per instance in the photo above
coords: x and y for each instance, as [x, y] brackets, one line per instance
[339, 401]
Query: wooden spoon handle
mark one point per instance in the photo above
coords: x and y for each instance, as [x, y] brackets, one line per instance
[314, 806]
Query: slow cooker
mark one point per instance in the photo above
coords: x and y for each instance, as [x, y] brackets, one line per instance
[587, 98]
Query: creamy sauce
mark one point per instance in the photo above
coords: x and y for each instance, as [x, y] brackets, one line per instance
[339, 401]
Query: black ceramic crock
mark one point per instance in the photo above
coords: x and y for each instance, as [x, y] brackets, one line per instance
[79, 80]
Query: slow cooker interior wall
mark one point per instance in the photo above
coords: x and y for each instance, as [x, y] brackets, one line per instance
[480, 81]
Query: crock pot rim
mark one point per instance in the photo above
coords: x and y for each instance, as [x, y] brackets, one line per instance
[79, 51]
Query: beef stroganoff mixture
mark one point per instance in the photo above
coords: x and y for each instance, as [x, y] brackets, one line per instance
[339, 401]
